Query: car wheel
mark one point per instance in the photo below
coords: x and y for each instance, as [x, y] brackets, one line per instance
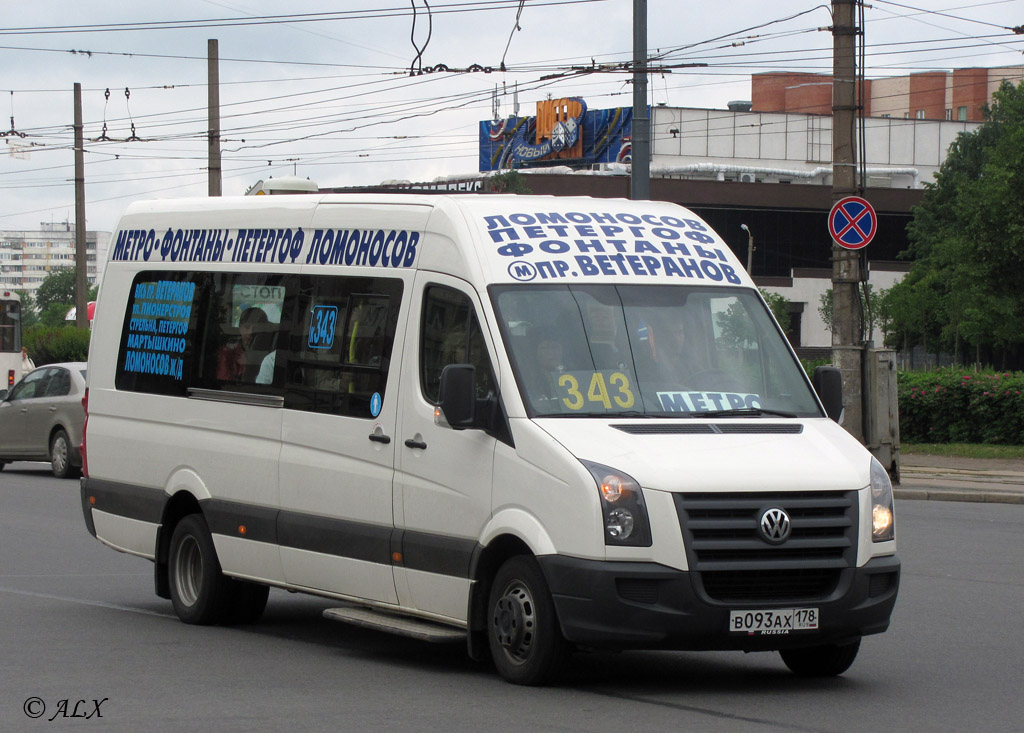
[200, 593]
[60, 455]
[522, 628]
[827, 660]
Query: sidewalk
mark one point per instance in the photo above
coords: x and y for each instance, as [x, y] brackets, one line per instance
[941, 478]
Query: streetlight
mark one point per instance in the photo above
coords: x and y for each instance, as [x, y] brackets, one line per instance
[750, 248]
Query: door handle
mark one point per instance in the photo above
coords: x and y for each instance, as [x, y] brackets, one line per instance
[410, 443]
[378, 438]
[53, 409]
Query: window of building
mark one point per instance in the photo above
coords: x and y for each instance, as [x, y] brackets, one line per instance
[949, 114]
[920, 114]
[961, 114]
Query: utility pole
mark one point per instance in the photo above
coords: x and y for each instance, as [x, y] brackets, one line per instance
[847, 326]
[81, 263]
[213, 110]
[640, 177]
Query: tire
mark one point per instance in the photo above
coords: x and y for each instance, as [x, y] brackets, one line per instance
[60, 455]
[200, 593]
[522, 627]
[827, 660]
[248, 600]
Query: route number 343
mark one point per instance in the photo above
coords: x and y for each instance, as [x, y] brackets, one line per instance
[581, 388]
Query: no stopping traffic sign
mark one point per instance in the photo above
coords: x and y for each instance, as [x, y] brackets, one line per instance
[852, 222]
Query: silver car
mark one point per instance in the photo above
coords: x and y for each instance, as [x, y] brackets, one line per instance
[41, 418]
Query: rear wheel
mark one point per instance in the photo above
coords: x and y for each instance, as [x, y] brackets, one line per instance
[522, 628]
[827, 660]
[60, 455]
[200, 593]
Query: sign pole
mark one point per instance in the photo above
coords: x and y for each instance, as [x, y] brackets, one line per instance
[847, 319]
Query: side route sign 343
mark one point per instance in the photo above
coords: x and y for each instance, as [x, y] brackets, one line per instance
[852, 222]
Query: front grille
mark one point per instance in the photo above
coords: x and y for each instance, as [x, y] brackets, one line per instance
[733, 563]
[745, 586]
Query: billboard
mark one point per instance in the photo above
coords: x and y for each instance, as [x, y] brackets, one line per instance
[563, 132]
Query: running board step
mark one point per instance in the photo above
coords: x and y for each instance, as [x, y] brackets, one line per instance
[401, 625]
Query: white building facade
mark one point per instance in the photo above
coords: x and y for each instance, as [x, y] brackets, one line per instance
[28, 257]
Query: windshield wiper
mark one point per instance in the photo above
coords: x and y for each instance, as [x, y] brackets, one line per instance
[742, 412]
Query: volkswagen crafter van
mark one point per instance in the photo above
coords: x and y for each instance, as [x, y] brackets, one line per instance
[531, 424]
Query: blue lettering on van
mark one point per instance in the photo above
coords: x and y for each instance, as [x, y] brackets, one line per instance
[159, 323]
[707, 401]
[391, 248]
[323, 323]
[654, 245]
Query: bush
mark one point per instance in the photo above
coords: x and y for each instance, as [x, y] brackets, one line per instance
[957, 406]
[810, 365]
[62, 343]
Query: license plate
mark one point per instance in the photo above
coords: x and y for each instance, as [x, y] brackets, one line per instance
[775, 621]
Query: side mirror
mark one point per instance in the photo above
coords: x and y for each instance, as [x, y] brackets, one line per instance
[828, 383]
[457, 400]
[3, 395]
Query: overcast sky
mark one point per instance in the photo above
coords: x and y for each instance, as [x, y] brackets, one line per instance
[330, 96]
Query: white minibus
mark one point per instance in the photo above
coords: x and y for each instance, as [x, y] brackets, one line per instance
[528, 424]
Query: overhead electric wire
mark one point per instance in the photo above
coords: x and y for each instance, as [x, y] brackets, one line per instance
[467, 7]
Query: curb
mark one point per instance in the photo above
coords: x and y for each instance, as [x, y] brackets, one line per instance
[977, 497]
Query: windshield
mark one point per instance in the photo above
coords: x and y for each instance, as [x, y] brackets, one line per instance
[648, 350]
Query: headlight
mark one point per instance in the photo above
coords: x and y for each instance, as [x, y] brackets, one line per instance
[622, 504]
[883, 522]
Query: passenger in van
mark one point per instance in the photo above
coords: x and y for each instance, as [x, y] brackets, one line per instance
[236, 356]
[674, 361]
[550, 365]
[602, 329]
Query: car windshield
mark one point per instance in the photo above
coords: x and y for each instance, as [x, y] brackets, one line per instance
[625, 350]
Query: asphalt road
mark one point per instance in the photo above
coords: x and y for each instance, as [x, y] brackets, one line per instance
[80, 622]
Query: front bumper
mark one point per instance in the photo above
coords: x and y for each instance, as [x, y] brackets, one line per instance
[646, 605]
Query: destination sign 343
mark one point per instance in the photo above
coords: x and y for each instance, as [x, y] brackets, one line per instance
[852, 222]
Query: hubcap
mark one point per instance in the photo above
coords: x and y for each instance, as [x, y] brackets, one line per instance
[514, 621]
[59, 455]
[188, 571]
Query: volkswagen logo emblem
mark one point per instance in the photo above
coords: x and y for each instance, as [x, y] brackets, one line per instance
[775, 525]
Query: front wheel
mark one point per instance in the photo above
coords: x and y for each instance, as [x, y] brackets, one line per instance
[522, 628]
[827, 660]
[200, 593]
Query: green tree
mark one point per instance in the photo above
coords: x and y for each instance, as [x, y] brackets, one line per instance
[56, 288]
[779, 306]
[29, 317]
[873, 308]
[56, 295]
[511, 181]
[967, 241]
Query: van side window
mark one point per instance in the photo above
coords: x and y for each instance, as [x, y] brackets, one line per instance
[243, 320]
[158, 338]
[450, 334]
[322, 342]
[340, 337]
